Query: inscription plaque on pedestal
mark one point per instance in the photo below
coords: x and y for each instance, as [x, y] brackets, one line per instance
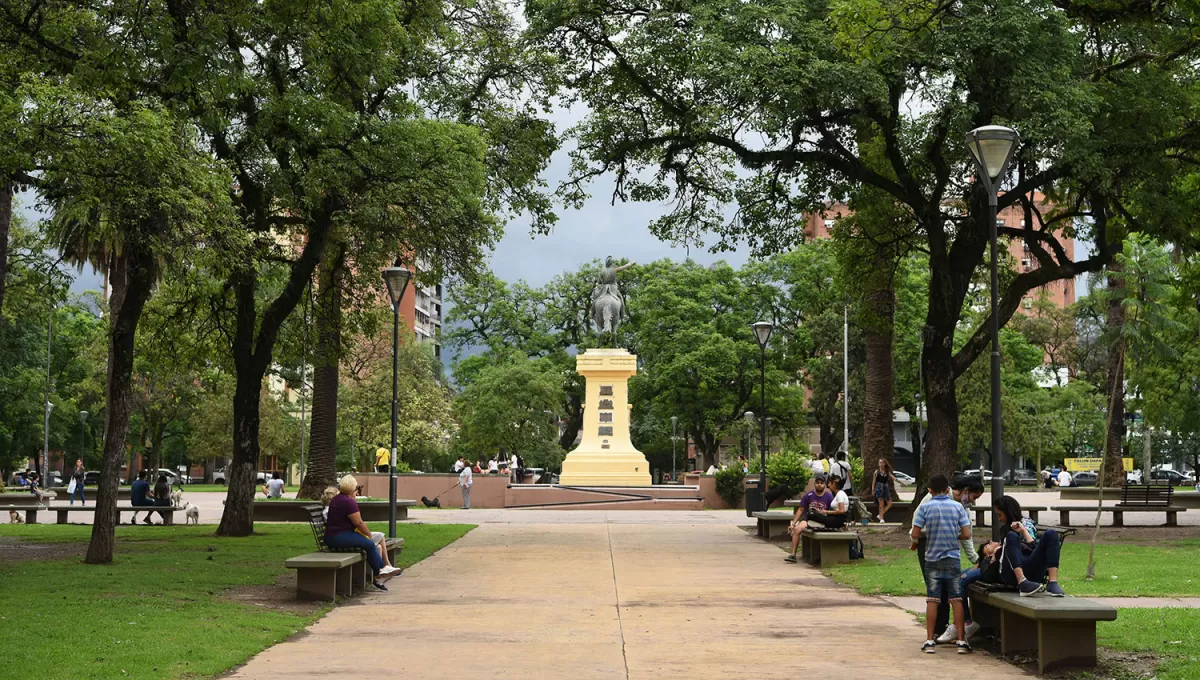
[605, 417]
[606, 390]
[605, 404]
[606, 431]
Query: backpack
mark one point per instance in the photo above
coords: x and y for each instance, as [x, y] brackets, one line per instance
[856, 549]
[857, 511]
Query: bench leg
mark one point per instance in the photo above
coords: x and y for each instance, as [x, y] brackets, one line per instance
[31, 516]
[401, 512]
[984, 614]
[345, 582]
[391, 552]
[1064, 517]
[837, 554]
[1063, 644]
[812, 554]
[1172, 519]
[1017, 634]
[358, 571]
[1118, 518]
[316, 584]
[980, 517]
[1033, 515]
[762, 529]
[168, 519]
[780, 530]
[62, 516]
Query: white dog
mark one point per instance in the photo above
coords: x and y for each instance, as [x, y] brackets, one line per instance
[192, 513]
[14, 517]
[176, 496]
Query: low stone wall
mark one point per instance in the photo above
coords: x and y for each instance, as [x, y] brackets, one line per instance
[293, 511]
[487, 491]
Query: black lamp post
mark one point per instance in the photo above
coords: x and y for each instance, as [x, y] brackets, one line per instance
[83, 416]
[762, 333]
[992, 148]
[674, 438]
[396, 278]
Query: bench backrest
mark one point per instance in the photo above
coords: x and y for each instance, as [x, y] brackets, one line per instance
[1146, 495]
[316, 520]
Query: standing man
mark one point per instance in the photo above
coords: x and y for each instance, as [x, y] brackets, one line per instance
[465, 480]
[382, 458]
[77, 476]
[842, 469]
[943, 522]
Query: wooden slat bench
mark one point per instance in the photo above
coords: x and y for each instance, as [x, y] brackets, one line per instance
[773, 523]
[982, 513]
[1134, 498]
[820, 548]
[1062, 630]
[168, 511]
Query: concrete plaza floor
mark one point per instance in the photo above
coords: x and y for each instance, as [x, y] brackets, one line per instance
[580, 596]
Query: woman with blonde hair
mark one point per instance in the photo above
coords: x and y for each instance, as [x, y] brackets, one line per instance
[344, 528]
[377, 536]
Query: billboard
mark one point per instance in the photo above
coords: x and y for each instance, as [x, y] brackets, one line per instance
[1092, 464]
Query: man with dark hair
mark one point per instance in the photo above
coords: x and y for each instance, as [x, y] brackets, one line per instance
[841, 468]
[139, 493]
[383, 458]
[943, 522]
[816, 501]
[966, 489]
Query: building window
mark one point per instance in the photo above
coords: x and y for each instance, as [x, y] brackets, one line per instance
[829, 224]
[1000, 221]
[1025, 262]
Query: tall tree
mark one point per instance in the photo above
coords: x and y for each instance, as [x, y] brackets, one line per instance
[784, 88]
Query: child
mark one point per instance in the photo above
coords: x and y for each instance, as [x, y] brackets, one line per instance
[943, 522]
[815, 501]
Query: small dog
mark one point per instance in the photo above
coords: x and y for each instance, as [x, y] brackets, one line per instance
[176, 496]
[192, 513]
[435, 503]
[14, 517]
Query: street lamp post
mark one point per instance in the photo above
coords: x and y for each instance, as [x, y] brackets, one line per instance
[762, 333]
[992, 148]
[83, 416]
[396, 278]
[674, 439]
[47, 407]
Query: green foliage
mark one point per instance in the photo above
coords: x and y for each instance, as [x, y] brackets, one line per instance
[513, 404]
[190, 573]
[788, 468]
[730, 485]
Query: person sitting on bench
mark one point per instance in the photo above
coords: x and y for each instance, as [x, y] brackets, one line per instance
[162, 497]
[377, 536]
[139, 495]
[815, 501]
[835, 516]
[1026, 558]
[344, 528]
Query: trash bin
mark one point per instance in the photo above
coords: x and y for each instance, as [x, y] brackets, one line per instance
[754, 498]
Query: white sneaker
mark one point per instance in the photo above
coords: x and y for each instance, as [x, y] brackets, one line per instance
[389, 569]
[971, 629]
[949, 636]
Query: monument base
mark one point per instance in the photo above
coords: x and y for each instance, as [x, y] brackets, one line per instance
[604, 468]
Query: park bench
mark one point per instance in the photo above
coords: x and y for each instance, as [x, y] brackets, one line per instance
[329, 572]
[26, 505]
[983, 512]
[772, 523]
[168, 511]
[1134, 498]
[1061, 630]
[821, 547]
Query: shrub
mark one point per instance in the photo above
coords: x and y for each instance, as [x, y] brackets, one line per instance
[788, 468]
[729, 484]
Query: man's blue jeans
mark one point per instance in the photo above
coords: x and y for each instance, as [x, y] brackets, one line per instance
[78, 492]
[353, 539]
[1043, 557]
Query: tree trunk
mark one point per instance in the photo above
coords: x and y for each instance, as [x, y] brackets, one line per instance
[1147, 447]
[132, 275]
[941, 451]
[322, 449]
[1114, 436]
[6, 203]
[573, 423]
[238, 518]
[878, 435]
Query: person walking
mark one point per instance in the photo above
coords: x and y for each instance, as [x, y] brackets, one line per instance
[383, 458]
[77, 479]
[465, 481]
[882, 481]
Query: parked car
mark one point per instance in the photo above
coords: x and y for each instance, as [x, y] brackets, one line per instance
[903, 478]
[1021, 478]
[1084, 479]
[219, 476]
[91, 478]
[55, 479]
[974, 472]
[1165, 476]
[1133, 477]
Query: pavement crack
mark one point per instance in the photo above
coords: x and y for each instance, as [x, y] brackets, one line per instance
[617, 594]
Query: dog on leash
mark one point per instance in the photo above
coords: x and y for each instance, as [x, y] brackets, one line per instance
[192, 514]
[14, 517]
[435, 503]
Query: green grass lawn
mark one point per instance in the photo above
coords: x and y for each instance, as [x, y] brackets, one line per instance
[159, 611]
[1173, 635]
[1122, 570]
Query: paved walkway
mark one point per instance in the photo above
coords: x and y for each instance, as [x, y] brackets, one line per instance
[613, 600]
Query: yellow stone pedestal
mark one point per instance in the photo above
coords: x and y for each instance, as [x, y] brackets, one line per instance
[605, 456]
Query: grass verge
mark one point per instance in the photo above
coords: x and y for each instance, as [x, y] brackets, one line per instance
[1122, 570]
[1171, 635]
[160, 610]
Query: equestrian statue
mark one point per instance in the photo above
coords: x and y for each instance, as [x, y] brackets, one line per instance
[608, 305]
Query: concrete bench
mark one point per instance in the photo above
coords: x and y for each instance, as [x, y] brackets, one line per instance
[29, 507]
[773, 523]
[1118, 513]
[982, 513]
[820, 548]
[294, 510]
[1061, 630]
[325, 575]
[168, 511]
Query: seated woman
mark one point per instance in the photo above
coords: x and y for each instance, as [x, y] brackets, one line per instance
[835, 516]
[377, 536]
[344, 528]
[162, 496]
[1024, 557]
